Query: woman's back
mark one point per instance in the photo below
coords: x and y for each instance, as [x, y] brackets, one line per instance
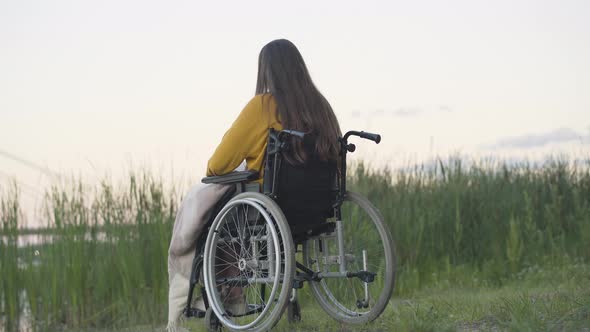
[300, 105]
[286, 97]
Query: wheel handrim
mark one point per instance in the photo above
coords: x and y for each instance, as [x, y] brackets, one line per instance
[211, 252]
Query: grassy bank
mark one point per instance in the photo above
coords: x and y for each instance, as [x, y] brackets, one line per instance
[478, 228]
[557, 299]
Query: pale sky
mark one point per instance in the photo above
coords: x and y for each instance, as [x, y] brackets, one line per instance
[97, 87]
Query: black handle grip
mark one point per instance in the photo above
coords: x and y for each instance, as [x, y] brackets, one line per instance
[373, 137]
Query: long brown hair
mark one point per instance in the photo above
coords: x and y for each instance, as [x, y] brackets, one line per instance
[300, 105]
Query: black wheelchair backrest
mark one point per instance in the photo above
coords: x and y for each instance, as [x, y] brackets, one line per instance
[306, 193]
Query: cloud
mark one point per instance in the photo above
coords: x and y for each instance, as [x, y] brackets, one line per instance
[401, 112]
[561, 135]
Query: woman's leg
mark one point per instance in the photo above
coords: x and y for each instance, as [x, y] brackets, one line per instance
[191, 218]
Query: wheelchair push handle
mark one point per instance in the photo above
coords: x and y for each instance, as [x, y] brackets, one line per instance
[363, 134]
[373, 137]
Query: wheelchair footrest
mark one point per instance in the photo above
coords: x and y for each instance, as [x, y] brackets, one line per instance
[193, 312]
[365, 276]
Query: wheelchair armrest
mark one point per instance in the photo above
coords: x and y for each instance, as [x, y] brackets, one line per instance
[233, 177]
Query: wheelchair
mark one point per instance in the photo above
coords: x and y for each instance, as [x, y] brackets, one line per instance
[302, 226]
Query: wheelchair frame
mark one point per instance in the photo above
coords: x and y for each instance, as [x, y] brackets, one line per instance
[277, 143]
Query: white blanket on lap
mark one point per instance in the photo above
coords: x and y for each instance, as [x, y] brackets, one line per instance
[193, 214]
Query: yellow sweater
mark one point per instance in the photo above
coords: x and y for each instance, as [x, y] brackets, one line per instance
[247, 138]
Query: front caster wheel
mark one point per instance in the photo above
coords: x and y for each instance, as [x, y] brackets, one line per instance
[211, 322]
[294, 312]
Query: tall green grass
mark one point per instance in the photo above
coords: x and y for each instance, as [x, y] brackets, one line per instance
[486, 221]
[105, 261]
[11, 284]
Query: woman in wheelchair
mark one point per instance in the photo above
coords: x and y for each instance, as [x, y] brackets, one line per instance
[293, 195]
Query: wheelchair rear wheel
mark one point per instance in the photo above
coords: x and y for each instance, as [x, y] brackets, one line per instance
[369, 259]
[249, 263]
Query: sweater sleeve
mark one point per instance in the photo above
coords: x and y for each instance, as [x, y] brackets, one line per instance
[237, 141]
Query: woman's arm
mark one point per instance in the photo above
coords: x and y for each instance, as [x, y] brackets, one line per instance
[239, 139]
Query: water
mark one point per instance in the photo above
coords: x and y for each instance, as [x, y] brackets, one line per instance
[38, 239]
[25, 320]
